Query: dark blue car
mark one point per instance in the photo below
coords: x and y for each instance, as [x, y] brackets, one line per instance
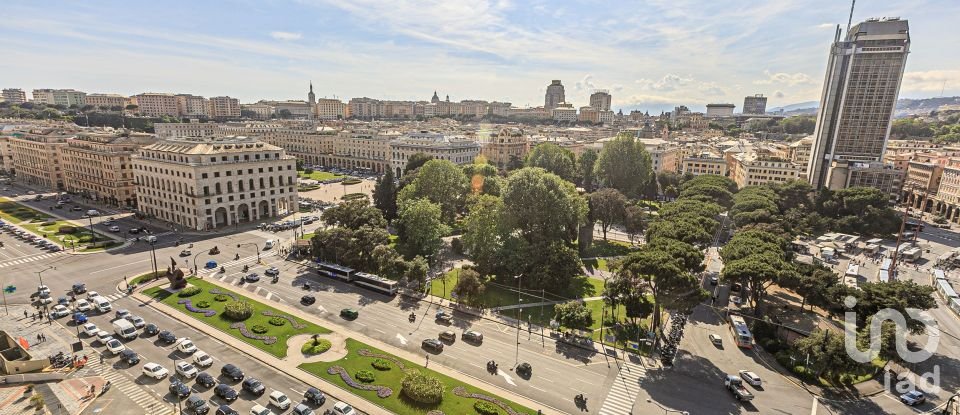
[79, 318]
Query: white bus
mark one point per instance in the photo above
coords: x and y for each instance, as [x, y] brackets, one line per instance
[335, 271]
[375, 283]
[741, 334]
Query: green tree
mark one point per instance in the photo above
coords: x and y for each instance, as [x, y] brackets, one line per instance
[554, 159]
[625, 165]
[541, 206]
[515, 163]
[688, 256]
[441, 182]
[710, 180]
[385, 195]
[608, 206]
[483, 234]
[634, 221]
[350, 247]
[417, 270]
[388, 262]
[586, 169]
[664, 278]
[420, 229]
[688, 228]
[622, 290]
[898, 295]
[354, 214]
[828, 351]
[415, 161]
[469, 288]
[573, 314]
[794, 194]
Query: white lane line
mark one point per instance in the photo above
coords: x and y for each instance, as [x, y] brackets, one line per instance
[813, 410]
[118, 266]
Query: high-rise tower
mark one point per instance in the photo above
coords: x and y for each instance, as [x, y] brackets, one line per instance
[860, 91]
[554, 95]
[311, 96]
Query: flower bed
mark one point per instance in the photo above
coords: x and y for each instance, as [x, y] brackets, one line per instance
[293, 322]
[382, 391]
[256, 328]
[203, 304]
[462, 392]
[422, 387]
[365, 376]
[380, 364]
[221, 298]
[218, 292]
[367, 353]
[277, 321]
[486, 408]
[246, 333]
[320, 346]
[189, 305]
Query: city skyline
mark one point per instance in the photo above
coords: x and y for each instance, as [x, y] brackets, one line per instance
[685, 53]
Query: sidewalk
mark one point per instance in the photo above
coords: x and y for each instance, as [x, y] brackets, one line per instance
[537, 304]
[290, 368]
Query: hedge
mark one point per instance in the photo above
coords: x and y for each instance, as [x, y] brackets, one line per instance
[486, 408]
[422, 388]
[238, 310]
[365, 376]
[380, 364]
[189, 291]
[277, 321]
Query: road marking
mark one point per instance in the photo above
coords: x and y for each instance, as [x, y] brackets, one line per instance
[118, 266]
[380, 331]
[403, 340]
[508, 378]
[813, 410]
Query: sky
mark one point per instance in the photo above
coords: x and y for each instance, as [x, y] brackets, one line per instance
[651, 55]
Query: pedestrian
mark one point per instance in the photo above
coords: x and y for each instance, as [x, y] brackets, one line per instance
[43, 337]
[24, 314]
[428, 361]
[101, 358]
[38, 338]
[93, 390]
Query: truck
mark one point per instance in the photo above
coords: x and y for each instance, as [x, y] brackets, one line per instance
[735, 385]
[124, 329]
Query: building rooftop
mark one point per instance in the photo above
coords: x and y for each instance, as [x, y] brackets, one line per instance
[210, 145]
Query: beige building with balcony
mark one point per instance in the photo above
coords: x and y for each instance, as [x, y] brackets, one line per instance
[36, 157]
[664, 155]
[98, 165]
[6, 155]
[224, 107]
[106, 100]
[331, 109]
[206, 183]
[508, 144]
[749, 169]
[458, 150]
[704, 164]
[157, 104]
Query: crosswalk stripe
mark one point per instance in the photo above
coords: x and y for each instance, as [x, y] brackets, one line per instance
[623, 391]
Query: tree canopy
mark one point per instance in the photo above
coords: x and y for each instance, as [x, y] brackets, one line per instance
[554, 159]
[625, 165]
[441, 182]
[541, 206]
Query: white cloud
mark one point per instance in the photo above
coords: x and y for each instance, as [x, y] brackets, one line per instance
[285, 35]
[931, 81]
[778, 94]
[826, 25]
[790, 79]
[669, 82]
[585, 84]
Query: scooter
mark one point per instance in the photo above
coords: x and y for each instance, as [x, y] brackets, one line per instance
[223, 270]
[413, 317]
[236, 257]
[246, 268]
[276, 279]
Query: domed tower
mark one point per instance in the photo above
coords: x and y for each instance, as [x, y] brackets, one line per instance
[435, 98]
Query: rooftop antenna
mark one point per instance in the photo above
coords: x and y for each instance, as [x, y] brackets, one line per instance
[850, 19]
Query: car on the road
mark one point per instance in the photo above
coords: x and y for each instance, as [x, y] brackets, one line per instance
[279, 399]
[750, 378]
[76, 208]
[62, 301]
[202, 359]
[153, 370]
[151, 329]
[185, 252]
[272, 271]
[90, 329]
[341, 408]
[254, 386]
[225, 392]
[260, 410]
[349, 313]
[231, 371]
[185, 369]
[79, 288]
[251, 277]
[115, 346]
[133, 231]
[226, 410]
[715, 339]
[196, 405]
[472, 336]
[45, 301]
[167, 337]
[206, 380]
[524, 369]
[448, 336]
[302, 409]
[103, 336]
[129, 356]
[735, 386]
[122, 313]
[83, 305]
[315, 396]
[444, 317]
[308, 300]
[186, 346]
[79, 318]
[137, 321]
[91, 294]
[913, 398]
[114, 228]
[432, 344]
[59, 310]
[178, 388]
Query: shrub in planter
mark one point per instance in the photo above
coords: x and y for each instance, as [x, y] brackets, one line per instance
[67, 229]
[486, 408]
[315, 346]
[238, 310]
[365, 376]
[221, 298]
[203, 304]
[259, 329]
[351, 182]
[422, 388]
[380, 364]
[189, 291]
[277, 321]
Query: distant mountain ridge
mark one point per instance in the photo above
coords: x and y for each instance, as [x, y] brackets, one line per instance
[905, 106]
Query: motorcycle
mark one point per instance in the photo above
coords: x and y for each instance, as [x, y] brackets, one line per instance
[492, 366]
[276, 279]
[413, 317]
[222, 270]
[236, 257]
[246, 268]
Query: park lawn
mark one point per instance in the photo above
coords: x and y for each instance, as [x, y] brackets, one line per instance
[599, 264]
[493, 295]
[102, 246]
[608, 248]
[307, 236]
[81, 236]
[397, 402]
[15, 213]
[318, 175]
[282, 333]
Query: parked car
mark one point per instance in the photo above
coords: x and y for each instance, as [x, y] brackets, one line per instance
[302, 409]
[79, 288]
[90, 329]
[185, 369]
[202, 359]
[103, 336]
[432, 344]
[122, 313]
[750, 378]
[225, 392]
[472, 336]
[186, 346]
[913, 398]
[260, 410]
[315, 396]
[153, 370]
[129, 356]
[254, 386]
[91, 294]
[715, 339]
[178, 389]
[79, 318]
[59, 310]
[231, 371]
[137, 321]
[226, 410]
[83, 305]
[167, 337]
[206, 380]
[151, 329]
[308, 300]
[196, 405]
[341, 408]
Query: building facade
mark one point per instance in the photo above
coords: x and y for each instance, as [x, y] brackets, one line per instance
[208, 183]
[224, 107]
[458, 150]
[664, 156]
[331, 109]
[554, 96]
[749, 169]
[720, 110]
[36, 156]
[105, 100]
[192, 105]
[186, 129]
[601, 100]
[153, 104]
[14, 96]
[860, 91]
[509, 144]
[755, 105]
[704, 164]
[98, 165]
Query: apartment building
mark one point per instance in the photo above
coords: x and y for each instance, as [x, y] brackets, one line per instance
[750, 169]
[65, 97]
[154, 104]
[36, 155]
[206, 183]
[98, 165]
[564, 112]
[720, 110]
[704, 164]
[601, 100]
[186, 129]
[458, 150]
[755, 105]
[192, 105]
[922, 181]
[107, 101]
[331, 109]
[866, 174]
[664, 155]
[360, 149]
[799, 151]
[509, 144]
[6, 155]
[14, 96]
[224, 107]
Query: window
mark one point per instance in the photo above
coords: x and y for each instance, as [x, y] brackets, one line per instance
[204, 176]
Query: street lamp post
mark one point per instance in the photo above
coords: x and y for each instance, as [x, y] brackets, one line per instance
[195, 270]
[40, 273]
[665, 409]
[177, 396]
[255, 245]
[519, 315]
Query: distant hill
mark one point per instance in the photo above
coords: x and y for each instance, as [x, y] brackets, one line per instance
[905, 106]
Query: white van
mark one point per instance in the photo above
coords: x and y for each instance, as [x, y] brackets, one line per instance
[268, 244]
[101, 304]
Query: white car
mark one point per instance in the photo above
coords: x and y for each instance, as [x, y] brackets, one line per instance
[202, 359]
[341, 408]
[43, 290]
[115, 347]
[83, 305]
[186, 346]
[103, 336]
[90, 329]
[91, 294]
[59, 310]
[155, 371]
[279, 400]
[259, 410]
[751, 378]
[114, 228]
[186, 369]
